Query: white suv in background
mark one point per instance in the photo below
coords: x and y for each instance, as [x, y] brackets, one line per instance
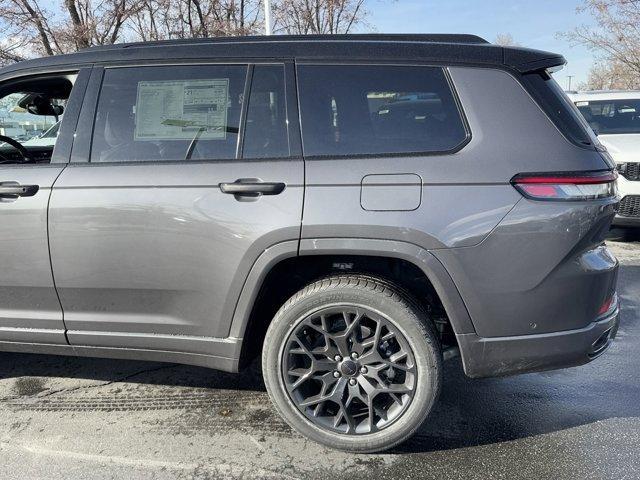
[615, 118]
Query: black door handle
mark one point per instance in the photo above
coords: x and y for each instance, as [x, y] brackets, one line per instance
[252, 187]
[15, 190]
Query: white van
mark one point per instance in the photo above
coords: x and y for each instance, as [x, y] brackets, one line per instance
[615, 118]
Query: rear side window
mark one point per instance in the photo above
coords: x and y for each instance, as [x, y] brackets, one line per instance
[169, 113]
[377, 109]
[562, 112]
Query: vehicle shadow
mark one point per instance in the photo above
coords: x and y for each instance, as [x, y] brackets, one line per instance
[102, 370]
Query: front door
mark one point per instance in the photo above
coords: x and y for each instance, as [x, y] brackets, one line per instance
[190, 177]
[34, 110]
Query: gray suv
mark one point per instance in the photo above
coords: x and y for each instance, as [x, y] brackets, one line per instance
[353, 209]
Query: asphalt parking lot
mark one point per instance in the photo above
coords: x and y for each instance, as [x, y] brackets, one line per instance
[63, 417]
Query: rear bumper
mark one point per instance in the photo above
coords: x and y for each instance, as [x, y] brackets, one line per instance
[498, 356]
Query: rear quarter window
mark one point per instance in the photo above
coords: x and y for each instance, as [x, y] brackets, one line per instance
[377, 109]
[559, 108]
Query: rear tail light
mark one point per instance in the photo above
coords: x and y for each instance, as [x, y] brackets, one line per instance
[566, 186]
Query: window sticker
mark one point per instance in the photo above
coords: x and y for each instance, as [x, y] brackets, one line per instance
[182, 109]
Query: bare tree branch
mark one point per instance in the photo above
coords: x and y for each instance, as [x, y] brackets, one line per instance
[318, 16]
[615, 37]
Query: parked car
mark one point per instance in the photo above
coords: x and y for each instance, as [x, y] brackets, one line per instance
[353, 210]
[615, 118]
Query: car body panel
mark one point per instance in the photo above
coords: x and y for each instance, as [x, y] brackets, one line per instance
[30, 309]
[538, 272]
[159, 249]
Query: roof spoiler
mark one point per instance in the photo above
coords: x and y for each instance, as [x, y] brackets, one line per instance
[526, 60]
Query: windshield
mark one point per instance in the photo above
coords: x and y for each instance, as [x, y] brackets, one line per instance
[607, 117]
[52, 132]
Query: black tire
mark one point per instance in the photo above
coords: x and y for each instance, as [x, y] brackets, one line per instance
[411, 335]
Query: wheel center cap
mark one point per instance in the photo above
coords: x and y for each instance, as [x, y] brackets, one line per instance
[349, 368]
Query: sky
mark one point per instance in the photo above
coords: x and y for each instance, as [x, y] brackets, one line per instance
[532, 23]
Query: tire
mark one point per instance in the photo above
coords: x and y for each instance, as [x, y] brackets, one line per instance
[397, 356]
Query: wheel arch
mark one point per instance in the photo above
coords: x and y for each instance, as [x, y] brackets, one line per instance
[274, 257]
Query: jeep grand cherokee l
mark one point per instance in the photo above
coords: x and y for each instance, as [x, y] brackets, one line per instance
[353, 209]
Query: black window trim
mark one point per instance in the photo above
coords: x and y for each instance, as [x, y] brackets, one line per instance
[432, 153]
[81, 153]
[242, 124]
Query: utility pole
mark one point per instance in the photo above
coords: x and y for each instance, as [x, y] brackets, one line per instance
[267, 17]
[569, 77]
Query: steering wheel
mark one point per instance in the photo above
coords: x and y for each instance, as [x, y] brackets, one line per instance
[26, 155]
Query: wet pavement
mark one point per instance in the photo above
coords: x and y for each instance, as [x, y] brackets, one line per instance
[63, 417]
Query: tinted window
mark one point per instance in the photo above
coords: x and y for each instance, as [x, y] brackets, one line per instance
[361, 109]
[612, 116]
[550, 96]
[266, 129]
[168, 113]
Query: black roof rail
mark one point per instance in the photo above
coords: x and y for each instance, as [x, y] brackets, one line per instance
[450, 49]
[355, 37]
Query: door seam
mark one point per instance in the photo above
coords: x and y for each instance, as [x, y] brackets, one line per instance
[53, 277]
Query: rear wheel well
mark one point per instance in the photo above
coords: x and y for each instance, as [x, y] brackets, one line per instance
[292, 274]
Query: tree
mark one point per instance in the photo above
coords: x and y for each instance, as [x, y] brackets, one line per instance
[611, 75]
[318, 16]
[615, 38]
[167, 19]
[505, 40]
[75, 24]
[66, 26]
[26, 26]
[90, 23]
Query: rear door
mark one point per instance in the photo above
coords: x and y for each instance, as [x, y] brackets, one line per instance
[29, 307]
[190, 174]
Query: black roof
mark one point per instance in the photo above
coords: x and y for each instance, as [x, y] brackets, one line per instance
[438, 48]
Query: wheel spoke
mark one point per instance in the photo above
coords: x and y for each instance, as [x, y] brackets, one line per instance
[369, 393]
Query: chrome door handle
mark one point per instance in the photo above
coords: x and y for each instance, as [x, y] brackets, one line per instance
[15, 190]
[252, 187]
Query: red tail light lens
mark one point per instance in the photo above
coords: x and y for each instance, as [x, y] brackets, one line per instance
[566, 186]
